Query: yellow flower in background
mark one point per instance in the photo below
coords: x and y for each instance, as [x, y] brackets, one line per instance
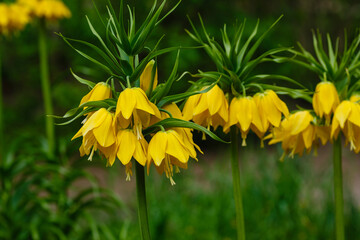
[296, 133]
[98, 133]
[168, 149]
[133, 107]
[325, 100]
[13, 17]
[244, 113]
[48, 9]
[207, 109]
[128, 147]
[271, 108]
[347, 119]
[101, 91]
[145, 78]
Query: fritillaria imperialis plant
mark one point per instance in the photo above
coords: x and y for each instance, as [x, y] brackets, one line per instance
[336, 108]
[241, 100]
[131, 116]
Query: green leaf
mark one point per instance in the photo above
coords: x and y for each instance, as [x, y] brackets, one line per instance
[174, 122]
[82, 80]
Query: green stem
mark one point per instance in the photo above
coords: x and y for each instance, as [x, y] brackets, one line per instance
[1, 109]
[338, 189]
[240, 224]
[141, 202]
[45, 84]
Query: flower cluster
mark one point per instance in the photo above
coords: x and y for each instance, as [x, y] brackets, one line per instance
[117, 132]
[48, 9]
[258, 113]
[13, 17]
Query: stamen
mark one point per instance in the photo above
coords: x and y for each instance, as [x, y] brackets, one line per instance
[92, 153]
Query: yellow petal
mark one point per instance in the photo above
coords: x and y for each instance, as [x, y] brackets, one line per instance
[188, 110]
[175, 147]
[95, 120]
[157, 147]
[145, 78]
[104, 133]
[342, 112]
[126, 146]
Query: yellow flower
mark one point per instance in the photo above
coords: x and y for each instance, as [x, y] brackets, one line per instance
[172, 108]
[296, 133]
[325, 100]
[145, 78]
[244, 113]
[171, 148]
[13, 17]
[98, 133]
[270, 108]
[347, 119]
[49, 9]
[101, 91]
[207, 109]
[133, 107]
[128, 147]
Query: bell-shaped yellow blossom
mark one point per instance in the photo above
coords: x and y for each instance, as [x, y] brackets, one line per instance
[347, 119]
[128, 147]
[101, 91]
[171, 148]
[133, 107]
[98, 133]
[244, 113]
[325, 100]
[207, 109]
[271, 108]
[296, 133]
[145, 78]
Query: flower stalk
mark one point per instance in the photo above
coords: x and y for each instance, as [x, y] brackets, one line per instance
[1, 110]
[240, 223]
[45, 84]
[338, 191]
[141, 202]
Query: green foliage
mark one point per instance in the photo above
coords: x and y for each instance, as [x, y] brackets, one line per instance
[237, 57]
[340, 68]
[39, 198]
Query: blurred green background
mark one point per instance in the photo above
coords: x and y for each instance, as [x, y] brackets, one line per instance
[282, 200]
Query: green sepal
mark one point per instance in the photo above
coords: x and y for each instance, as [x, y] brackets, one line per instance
[179, 123]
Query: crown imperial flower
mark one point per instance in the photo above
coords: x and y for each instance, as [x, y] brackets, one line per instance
[244, 113]
[97, 133]
[168, 149]
[101, 91]
[325, 100]
[207, 109]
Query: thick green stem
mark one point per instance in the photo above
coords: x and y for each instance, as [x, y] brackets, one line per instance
[45, 84]
[141, 202]
[1, 110]
[240, 224]
[338, 190]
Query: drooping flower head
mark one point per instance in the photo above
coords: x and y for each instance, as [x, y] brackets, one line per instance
[296, 133]
[171, 149]
[98, 133]
[244, 114]
[325, 100]
[134, 108]
[271, 109]
[101, 91]
[347, 119]
[128, 147]
[207, 109]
